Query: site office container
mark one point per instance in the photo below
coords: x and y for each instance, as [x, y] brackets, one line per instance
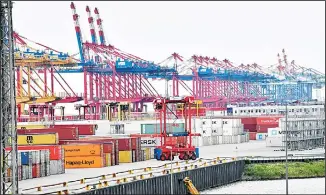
[252, 135]
[83, 149]
[83, 129]
[64, 133]
[38, 139]
[56, 152]
[110, 146]
[85, 162]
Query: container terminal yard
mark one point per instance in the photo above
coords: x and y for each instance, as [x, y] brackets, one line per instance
[120, 128]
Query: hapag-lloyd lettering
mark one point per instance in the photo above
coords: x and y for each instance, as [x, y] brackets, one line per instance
[80, 162]
[72, 150]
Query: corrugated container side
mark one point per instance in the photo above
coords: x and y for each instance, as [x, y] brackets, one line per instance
[36, 172]
[83, 150]
[124, 144]
[252, 135]
[83, 129]
[38, 139]
[125, 156]
[55, 150]
[64, 133]
[133, 155]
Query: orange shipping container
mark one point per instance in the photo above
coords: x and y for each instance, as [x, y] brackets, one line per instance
[84, 162]
[83, 150]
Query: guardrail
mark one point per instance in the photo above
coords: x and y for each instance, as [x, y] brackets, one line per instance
[88, 183]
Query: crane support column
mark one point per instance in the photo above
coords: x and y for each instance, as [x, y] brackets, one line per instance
[9, 182]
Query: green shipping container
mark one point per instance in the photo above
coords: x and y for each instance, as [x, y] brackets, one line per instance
[155, 128]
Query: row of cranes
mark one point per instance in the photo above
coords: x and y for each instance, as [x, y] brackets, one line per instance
[112, 75]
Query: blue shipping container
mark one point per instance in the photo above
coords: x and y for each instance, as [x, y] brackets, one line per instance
[155, 128]
[25, 158]
[197, 152]
[157, 153]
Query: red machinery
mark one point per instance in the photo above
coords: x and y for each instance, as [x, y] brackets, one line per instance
[184, 150]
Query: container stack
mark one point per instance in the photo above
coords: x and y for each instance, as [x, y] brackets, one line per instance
[258, 126]
[216, 131]
[32, 164]
[85, 156]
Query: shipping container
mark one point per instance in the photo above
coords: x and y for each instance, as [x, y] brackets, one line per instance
[83, 150]
[38, 139]
[83, 129]
[36, 172]
[252, 135]
[249, 121]
[54, 150]
[125, 156]
[267, 120]
[124, 144]
[84, 162]
[115, 148]
[250, 127]
[155, 128]
[264, 128]
[64, 133]
[30, 126]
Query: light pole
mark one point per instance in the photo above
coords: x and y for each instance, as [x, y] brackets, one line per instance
[171, 171]
[286, 149]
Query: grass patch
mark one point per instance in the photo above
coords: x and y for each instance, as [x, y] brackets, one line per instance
[277, 170]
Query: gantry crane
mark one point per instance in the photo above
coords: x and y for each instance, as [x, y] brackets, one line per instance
[9, 182]
[184, 150]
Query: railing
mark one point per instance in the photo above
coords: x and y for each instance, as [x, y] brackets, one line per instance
[88, 183]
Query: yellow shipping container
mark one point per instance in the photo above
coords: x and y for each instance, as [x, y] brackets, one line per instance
[83, 150]
[108, 159]
[148, 153]
[31, 126]
[84, 162]
[125, 156]
[38, 139]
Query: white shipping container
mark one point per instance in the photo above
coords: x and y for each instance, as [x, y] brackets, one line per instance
[220, 139]
[214, 140]
[227, 139]
[42, 170]
[239, 139]
[150, 142]
[207, 141]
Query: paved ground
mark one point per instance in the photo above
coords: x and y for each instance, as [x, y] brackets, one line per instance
[253, 148]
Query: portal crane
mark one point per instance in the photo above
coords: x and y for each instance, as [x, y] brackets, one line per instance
[168, 151]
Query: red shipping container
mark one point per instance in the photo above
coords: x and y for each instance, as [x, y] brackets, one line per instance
[36, 172]
[264, 128]
[83, 129]
[250, 127]
[124, 144]
[268, 120]
[55, 150]
[252, 136]
[134, 143]
[65, 133]
[248, 120]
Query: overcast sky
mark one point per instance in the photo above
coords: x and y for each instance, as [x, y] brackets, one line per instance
[243, 32]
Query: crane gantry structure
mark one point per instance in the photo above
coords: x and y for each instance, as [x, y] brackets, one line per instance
[112, 75]
[9, 182]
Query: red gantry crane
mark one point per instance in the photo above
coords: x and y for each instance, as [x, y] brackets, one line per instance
[167, 150]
